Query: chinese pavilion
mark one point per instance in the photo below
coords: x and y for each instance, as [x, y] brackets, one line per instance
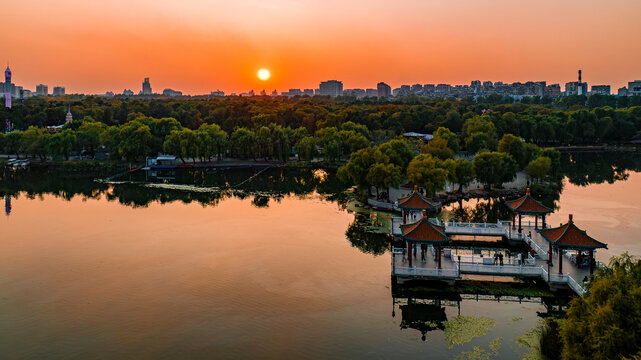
[424, 232]
[528, 206]
[414, 203]
[570, 237]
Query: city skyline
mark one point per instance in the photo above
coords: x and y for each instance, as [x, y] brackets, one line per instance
[198, 47]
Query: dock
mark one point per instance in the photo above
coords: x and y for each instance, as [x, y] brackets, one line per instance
[454, 266]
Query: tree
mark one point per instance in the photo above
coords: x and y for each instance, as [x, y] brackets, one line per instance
[306, 148]
[60, 144]
[383, 176]
[464, 173]
[134, 140]
[398, 151]
[359, 164]
[438, 148]
[423, 171]
[13, 143]
[539, 167]
[494, 168]
[34, 142]
[555, 159]
[514, 146]
[449, 136]
[604, 323]
[88, 135]
[243, 143]
[212, 140]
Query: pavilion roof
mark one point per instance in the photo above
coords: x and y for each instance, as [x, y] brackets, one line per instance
[526, 205]
[424, 231]
[569, 236]
[416, 201]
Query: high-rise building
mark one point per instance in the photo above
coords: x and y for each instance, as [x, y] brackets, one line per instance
[146, 87]
[384, 90]
[58, 91]
[308, 92]
[371, 92]
[7, 88]
[42, 90]
[634, 88]
[600, 89]
[331, 88]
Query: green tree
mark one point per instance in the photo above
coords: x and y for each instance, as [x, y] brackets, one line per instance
[398, 151]
[424, 171]
[494, 168]
[514, 146]
[306, 148]
[13, 143]
[449, 136]
[34, 142]
[604, 323]
[60, 144]
[383, 176]
[438, 148]
[464, 173]
[539, 167]
[134, 140]
[88, 135]
[243, 143]
[359, 164]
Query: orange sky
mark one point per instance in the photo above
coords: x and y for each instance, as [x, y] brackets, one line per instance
[198, 45]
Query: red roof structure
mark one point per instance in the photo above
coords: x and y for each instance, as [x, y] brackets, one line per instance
[424, 231]
[569, 236]
[416, 201]
[526, 205]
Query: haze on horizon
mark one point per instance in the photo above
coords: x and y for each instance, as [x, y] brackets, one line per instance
[197, 46]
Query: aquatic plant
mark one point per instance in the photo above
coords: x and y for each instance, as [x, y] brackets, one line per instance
[463, 329]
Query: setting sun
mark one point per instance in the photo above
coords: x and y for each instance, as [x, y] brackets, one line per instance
[263, 74]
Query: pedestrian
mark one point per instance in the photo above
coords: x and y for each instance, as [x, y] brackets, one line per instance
[496, 258]
[519, 258]
[501, 258]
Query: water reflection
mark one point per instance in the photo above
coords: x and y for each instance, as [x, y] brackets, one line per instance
[585, 168]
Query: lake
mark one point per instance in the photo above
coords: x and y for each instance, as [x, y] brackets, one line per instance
[93, 270]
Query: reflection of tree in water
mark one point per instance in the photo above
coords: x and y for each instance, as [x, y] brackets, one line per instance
[584, 168]
[490, 210]
[363, 238]
[274, 184]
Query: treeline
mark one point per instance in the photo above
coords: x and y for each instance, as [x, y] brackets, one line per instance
[569, 120]
[143, 136]
[392, 163]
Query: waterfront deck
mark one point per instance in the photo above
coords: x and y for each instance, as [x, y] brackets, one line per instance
[452, 269]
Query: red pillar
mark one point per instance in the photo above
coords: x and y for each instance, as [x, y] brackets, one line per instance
[513, 221]
[438, 253]
[591, 260]
[409, 252]
[560, 260]
[536, 222]
[550, 254]
[520, 228]
[543, 221]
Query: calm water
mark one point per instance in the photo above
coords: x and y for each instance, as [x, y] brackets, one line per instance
[93, 271]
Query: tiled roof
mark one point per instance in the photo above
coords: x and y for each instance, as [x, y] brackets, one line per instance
[527, 205]
[569, 236]
[424, 230]
[415, 201]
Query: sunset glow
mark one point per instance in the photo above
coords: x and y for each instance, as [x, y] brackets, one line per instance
[263, 74]
[197, 46]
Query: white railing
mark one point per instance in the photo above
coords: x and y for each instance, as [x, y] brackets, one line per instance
[489, 260]
[428, 272]
[510, 270]
[574, 285]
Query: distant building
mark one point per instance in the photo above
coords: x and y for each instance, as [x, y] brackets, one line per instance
[623, 91]
[58, 91]
[357, 93]
[42, 90]
[109, 94]
[274, 93]
[292, 92]
[634, 88]
[576, 88]
[217, 93]
[309, 92]
[331, 88]
[7, 88]
[371, 92]
[127, 92]
[171, 93]
[146, 87]
[600, 89]
[384, 90]
[553, 90]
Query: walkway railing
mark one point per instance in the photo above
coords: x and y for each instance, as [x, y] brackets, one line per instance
[427, 272]
[472, 259]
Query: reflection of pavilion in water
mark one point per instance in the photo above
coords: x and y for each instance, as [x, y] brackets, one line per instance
[426, 311]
